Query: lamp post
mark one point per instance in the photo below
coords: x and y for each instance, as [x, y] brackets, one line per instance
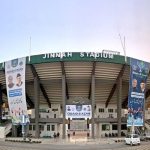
[23, 127]
[123, 47]
[133, 131]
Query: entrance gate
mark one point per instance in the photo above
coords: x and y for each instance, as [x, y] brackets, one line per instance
[78, 120]
[78, 127]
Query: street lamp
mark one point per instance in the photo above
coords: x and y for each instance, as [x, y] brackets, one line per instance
[133, 124]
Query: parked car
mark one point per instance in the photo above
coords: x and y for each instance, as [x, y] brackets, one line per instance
[132, 139]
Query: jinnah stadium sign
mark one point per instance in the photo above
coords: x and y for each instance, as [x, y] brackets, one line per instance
[104, 54]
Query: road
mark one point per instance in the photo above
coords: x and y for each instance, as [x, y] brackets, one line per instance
[114, 146]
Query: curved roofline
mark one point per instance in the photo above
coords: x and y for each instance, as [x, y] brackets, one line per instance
[75, 57]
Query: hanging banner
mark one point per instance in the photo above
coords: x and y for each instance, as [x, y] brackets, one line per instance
[136, 98]
[78, 111]
[15, 83]
[1, 98]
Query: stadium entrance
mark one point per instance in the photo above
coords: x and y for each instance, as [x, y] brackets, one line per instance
[78, 121]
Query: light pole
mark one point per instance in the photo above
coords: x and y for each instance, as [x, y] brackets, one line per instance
[123, 47]
[23, 127]
[133, 131]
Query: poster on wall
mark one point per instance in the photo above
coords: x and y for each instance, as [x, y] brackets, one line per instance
[78, 111]
[15, 83]
[136, 98]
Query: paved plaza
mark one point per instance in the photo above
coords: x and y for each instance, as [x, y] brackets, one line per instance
[59, 144]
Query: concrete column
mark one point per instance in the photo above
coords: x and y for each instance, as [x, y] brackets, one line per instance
[14, 131]
[36, 103]
[97, 130]
[119, 105]
[93, 103]
[64, 106]
[144, 118]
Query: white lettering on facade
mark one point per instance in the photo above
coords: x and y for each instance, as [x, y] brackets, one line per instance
[58, 55]
[104, 55]
[69, 54]
[52, 55]
[92, 54]
[81, 54]
[63, 54]
[44, 56]
[111, 56]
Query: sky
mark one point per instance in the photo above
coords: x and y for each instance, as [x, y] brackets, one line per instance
[74, 26]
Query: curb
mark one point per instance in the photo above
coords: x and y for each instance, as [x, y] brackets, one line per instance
[23, 141]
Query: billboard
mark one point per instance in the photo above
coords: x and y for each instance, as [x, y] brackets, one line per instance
[78, 111]
[136, 98]
[15, 83]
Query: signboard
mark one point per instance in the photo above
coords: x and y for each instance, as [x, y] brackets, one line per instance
[104, 54]
[136, 99]
[78, 111]
[15, 83]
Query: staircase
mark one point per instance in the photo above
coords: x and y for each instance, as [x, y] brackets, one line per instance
[5, 128]
[147, 124]
[8, 128]
[138, 130]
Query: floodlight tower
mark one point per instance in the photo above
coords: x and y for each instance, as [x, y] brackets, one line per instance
[123, 47]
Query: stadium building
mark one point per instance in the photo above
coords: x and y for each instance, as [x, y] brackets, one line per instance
[57, 83]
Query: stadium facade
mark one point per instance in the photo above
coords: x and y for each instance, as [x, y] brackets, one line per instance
[56, 82]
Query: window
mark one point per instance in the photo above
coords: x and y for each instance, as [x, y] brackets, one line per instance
[101, 109]
[30, 127]
[123, 127]
[105, 127]
[135, 136]
[128, 136]
[53, 127]
[48, 127]
[54, 115]
[111, 116]
[114, 127]
[110, 110]
[54, 110]
[42, 110]
[41, 127]
[33, 127]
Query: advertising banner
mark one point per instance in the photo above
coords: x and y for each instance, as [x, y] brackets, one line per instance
[78, 111]
[15, 83]
[1, 99]
[136, 98]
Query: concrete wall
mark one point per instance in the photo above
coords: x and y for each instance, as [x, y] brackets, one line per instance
[2, 132]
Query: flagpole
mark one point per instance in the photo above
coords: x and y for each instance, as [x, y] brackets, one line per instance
[29, 48]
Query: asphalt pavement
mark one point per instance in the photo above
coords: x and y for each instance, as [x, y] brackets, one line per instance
[72, 144]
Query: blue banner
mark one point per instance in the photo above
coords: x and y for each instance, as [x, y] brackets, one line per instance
[136, 98]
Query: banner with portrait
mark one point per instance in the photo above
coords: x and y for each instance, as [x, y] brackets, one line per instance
[78, 111]
[136, 98]
[15, 83]
[1, 98]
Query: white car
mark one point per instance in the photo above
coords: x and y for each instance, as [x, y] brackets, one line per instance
[132, 139]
